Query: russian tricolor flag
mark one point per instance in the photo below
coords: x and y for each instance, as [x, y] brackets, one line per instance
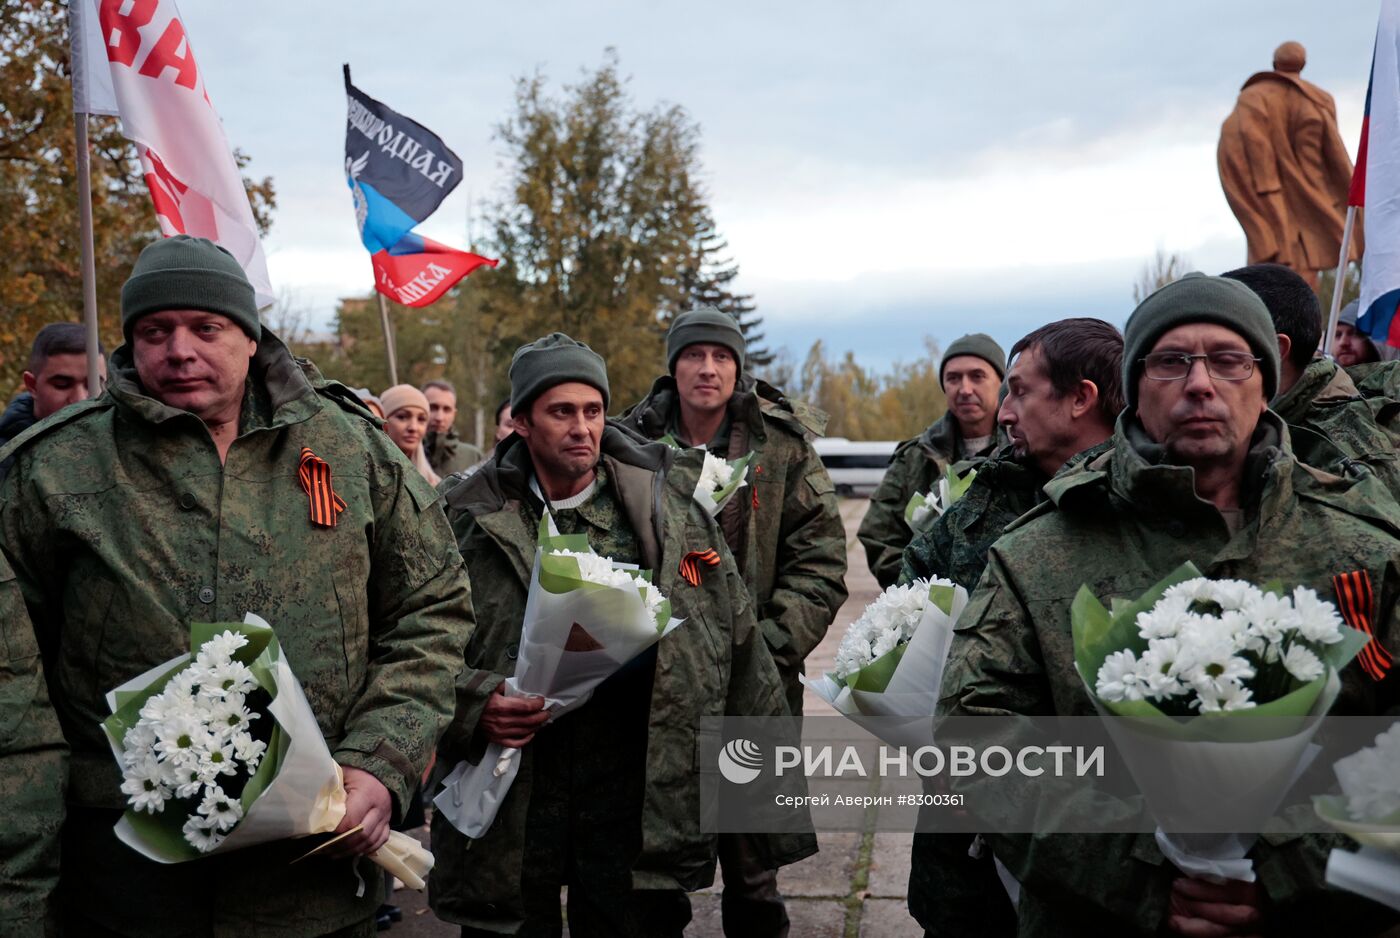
[399, 172]
[1378, 174]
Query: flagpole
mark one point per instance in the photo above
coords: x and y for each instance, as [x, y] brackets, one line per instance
[388, 339]
[89, 267]
[1338, 283]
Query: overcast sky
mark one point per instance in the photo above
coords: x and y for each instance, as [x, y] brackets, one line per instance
[882, 171]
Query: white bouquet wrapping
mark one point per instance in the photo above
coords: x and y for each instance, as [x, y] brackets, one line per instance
[1368, 811]
[220, 750]
[585, 617]
[924, 508]
[1199, 666]
[890, 661]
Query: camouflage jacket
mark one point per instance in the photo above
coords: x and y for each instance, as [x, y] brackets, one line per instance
[1118, 525]
[123, 527]
[956, 546]
[916, 466]
[785, 529]
[33, 772]
[1324, 407]
[711, 665]
[447, 453]
[1377, 379]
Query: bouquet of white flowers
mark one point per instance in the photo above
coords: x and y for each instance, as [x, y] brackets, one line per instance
[890, 661]
[1189, 662]
[1368, 811]
[719, 478]
[219, 750]
[926, 508]
[585, 617]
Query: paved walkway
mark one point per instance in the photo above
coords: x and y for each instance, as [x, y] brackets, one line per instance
[853, 888]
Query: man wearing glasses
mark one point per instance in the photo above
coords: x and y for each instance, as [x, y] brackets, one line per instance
[1200, 470]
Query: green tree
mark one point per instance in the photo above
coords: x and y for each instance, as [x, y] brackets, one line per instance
[605, 231]
[40, 253]
[865, 405]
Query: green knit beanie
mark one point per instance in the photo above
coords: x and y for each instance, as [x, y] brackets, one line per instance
[1197, 297]
[977, 344]
[555, 359]
[181, 272]
[705, 324]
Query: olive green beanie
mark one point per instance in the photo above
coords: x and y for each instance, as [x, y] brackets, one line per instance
[979, 345]
[1197, 297]
[705, 324]
[555, 359]
[182, 272]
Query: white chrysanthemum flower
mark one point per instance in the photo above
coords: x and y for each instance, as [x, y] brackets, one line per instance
[143, 783]
[220, 809]
[1159, 622]
[1271, 615]
[1119, 678]
[202, 835]
[715, 474]
[1224, 696]
[224, 645]
[229, 716]
[1303, 664]
[1211, 665]
[178, 733]
[1160, 671]
[249, 750]
[139, 743]
[1318, 620]
[231, 677]
[1370, 778]
[215, 759]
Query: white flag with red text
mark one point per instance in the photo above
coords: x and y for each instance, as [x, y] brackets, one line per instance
[165, 109]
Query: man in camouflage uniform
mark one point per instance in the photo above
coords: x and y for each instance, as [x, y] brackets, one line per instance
[1064, 391]
[177, 496]
[1200, 470]
[785, 531]
[607, 796]
[971, 373]
[446, 452]
[33, 773]
[1332, 426]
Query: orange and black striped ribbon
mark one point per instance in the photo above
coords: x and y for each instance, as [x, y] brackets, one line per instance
[315, 474]
[1355, 600]
[690, 564]
[756, 471]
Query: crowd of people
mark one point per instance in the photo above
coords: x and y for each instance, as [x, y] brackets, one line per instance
[1209, 430]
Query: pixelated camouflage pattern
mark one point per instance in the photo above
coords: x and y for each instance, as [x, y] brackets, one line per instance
[1005, 488]
[785, 528]
[123, 527]
[1377, 379]
[1118, 525]
[1333, 427]
[448, 453]
[916, 467]
[33, 773]
[712, 665]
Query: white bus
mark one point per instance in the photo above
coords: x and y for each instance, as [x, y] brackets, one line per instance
[856, 467]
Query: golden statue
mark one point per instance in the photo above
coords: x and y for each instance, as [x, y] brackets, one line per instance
[1285, 171]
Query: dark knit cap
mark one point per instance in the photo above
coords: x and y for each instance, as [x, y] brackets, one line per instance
[980, 345]
[181, 272]
[1197, 297]
[555, 359]
[705, 324]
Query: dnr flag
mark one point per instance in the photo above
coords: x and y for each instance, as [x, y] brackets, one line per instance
[399, 172]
